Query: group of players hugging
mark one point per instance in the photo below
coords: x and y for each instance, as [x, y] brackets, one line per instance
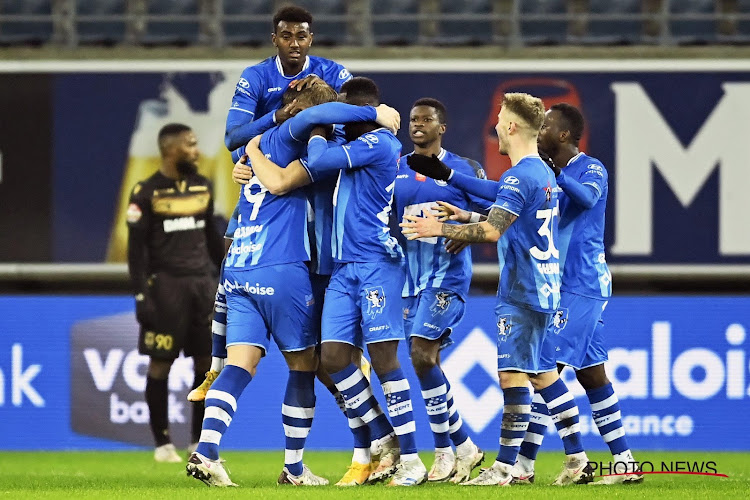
[317, 264]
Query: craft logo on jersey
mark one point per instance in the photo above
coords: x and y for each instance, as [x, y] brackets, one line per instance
[560, 319]
[503, 327]
[376, 300]
[442, 301]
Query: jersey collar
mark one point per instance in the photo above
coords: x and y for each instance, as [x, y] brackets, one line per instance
[280, 68]
[440, 155]
[581, 153]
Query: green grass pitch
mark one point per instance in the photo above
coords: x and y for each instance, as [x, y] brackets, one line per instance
[75, 475]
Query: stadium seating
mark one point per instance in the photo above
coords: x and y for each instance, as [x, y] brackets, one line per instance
[327, 32]
[28, 30]
[538, 29]
[614, 31]
[392, 31]
[169, 27]
[463, 31]
[687, 27]
[239, 29]
[95, 29]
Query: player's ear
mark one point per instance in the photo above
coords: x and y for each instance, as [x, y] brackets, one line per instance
[273, 39]
[564, 136]
[442, 128]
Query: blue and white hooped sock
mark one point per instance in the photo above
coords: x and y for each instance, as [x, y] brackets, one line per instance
[366, 419]
[219, 330]
[564, 412]
[532, 441]
[398, 398]
[456, 429]
[297, 414]
[516, 414]
[435, 394]
[221, 403]
[605, 408]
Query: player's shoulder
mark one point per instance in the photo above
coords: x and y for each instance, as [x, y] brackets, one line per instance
[256, 71]
[322, 62]
[530, 171]
[463, 164]
[590, 161]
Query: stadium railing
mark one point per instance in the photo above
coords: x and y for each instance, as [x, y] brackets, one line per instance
[513, 23]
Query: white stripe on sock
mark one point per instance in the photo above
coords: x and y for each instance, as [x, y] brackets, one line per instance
[516, 409]
[570, 412]
[293, 456]
[607, 419]
[533, 437]
[355, 423]
[399, 408]
[219, 329]
[222, 396]
[371, 415]
[405, 428]
[437, 409]
[612, 435]
[559, 400]
[567, 431]
[209, 436]
[456, 425]
[395, 386]
[601, 405]
[440, 428]
[350, 381]
[357, 401]
[431, 393]
[218, 414]
[511, 441]
[293, 431]
[297, 411]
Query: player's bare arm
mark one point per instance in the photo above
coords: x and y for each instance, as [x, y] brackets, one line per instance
[445, 211]
[277, 180]
[487, 231]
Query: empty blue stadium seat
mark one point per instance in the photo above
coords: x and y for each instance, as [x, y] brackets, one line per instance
[540, 31]
[326, 32]
[238, 31]
[172, 32]
[611, 30]
[32, 32]
[692, 31]
[394, 31]
[743, 26]
[465, 32]
[97, 30]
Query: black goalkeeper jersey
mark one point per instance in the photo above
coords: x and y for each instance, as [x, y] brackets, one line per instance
[171, 228]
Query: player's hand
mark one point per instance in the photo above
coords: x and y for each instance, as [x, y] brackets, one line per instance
[285, 112]
[145, 309]
[305, 82]
[415, 227]
[430, 166]
[445, 212]
[548, 160]
[453, 246]
[388, 117]
[242, 172]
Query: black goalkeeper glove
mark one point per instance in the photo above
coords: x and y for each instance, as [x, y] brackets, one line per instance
[429, 166]
[551, 164]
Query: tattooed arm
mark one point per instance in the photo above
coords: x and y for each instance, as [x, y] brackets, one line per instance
[489, 230]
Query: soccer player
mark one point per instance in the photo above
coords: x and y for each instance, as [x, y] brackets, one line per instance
[363, 300]
[435, 290]
[585, 289]
[269, 294]
[256, 107]
[524, 223]
[174, 249]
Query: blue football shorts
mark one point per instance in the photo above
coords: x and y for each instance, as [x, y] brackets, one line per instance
[524, 340]
[234, 223]
[272, 301]
[433, 314]
[363, 303]
[578, 331]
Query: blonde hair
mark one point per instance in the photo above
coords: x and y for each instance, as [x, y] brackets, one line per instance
[312, 95]
[528, 108]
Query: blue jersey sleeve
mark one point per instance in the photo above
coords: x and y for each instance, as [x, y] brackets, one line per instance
[484, 189]
[300, 125]
[586, 191]
[359, 153]
[511, 193]
[242, 124]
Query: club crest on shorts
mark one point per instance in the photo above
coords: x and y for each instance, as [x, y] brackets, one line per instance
[376, 300]
[503, 327]
[442, 301]
[560, 319]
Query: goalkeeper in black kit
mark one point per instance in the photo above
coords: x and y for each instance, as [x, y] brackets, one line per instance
[174, 250]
